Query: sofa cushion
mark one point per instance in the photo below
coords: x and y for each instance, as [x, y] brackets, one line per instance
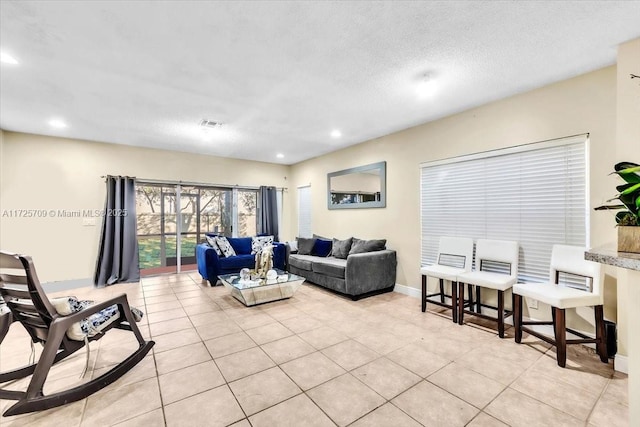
[322, 248]
[237, 262]
[341, 248]
[241, 245]
[259, 242]
[359, 246]
[333, 267]
[305, 246]
[303, 262]
[225, 246]
[211, 241]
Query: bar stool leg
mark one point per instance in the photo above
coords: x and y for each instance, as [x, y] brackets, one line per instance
[501, 314]
[600, 335]
[561, 336]
[424, 293]
[461, 303]
[517, 317]
[454, 301]
[470, 291]
[478, 302]
[441, 290]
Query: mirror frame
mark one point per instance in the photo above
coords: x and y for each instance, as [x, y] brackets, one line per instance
[382, 166]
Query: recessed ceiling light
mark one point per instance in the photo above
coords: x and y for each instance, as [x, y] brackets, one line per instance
[427, 86]
[57, 123]
[280, 156]
[336, 133]
[5, 58]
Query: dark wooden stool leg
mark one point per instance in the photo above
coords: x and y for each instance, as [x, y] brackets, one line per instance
[460, 307]
[517, 317]
[454, 301]
[441, 290]
[501, 314]
[478, 302]
[424, 293]
[601, 345]
[559, 327]
[470, 291]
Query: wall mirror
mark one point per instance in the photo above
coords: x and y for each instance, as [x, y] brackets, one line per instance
[359, 187]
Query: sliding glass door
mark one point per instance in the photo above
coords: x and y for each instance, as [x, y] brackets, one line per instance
[173, 219]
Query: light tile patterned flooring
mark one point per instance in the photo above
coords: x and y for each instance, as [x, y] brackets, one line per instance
[319, 360]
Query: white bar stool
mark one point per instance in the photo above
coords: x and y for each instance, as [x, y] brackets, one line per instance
[490, 255]
[455, 256]
[564, 259]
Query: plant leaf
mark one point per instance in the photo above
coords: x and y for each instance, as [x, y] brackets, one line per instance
[630, 174]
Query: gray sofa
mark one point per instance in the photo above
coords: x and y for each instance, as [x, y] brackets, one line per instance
[358, 276]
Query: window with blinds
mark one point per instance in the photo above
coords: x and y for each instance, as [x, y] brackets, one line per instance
[304, 211]
[535, 194]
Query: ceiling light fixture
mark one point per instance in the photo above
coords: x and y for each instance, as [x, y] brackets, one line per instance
[57, 123]
[280, 156]
[5, 58]
[336, 133]
[427, 86]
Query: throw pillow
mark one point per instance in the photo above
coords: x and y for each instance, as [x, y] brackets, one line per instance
[257, 243]
[322, 248]
[69, 305]
[360, 246]
[211, 241]
[305, 246]
[225, 246]
[293, 245]
[341, 248]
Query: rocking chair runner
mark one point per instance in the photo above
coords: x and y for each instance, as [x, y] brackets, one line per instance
[30, 306]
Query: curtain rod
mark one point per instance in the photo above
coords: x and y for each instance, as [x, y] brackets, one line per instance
[195, 184]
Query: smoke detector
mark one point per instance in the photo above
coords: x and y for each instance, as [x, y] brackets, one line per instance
[210, 124]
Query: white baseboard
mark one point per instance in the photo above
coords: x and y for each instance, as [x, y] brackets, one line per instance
[408, 290]
[621, 363]
[64, 285]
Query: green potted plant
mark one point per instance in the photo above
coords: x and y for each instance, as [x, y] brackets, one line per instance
[628, 219]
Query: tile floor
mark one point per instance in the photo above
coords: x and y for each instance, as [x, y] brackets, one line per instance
[319, 360]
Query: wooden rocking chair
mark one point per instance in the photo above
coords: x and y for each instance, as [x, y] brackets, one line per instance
[29, 305]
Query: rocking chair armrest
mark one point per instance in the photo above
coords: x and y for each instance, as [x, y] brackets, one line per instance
[67, 321]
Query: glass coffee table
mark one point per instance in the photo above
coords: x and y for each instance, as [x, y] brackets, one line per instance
[259, 291]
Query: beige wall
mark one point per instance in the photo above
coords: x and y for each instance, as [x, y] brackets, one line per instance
[585, 104]
[39, 172]
[627, 149]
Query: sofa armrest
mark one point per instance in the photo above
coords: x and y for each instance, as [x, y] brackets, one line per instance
[280, 255]
[370, 271]
[208, 262]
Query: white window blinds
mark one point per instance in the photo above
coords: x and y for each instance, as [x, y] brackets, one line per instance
[534, 194]
[304, 211]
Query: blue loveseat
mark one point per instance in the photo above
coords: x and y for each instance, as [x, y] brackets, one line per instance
[210, 265]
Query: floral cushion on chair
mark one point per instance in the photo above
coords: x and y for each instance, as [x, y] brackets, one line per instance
[92, 325]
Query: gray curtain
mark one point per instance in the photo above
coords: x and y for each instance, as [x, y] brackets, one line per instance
[118, 252]
[268, 221]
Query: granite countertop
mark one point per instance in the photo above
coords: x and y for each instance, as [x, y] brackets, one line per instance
[612, 257]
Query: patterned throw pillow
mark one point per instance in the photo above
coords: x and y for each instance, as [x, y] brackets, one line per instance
[225, 246]
[257, 243]
[211, 241]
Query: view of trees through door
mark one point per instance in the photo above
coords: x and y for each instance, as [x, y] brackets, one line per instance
[163, 211]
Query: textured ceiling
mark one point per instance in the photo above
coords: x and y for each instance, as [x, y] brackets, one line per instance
[282, 75]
